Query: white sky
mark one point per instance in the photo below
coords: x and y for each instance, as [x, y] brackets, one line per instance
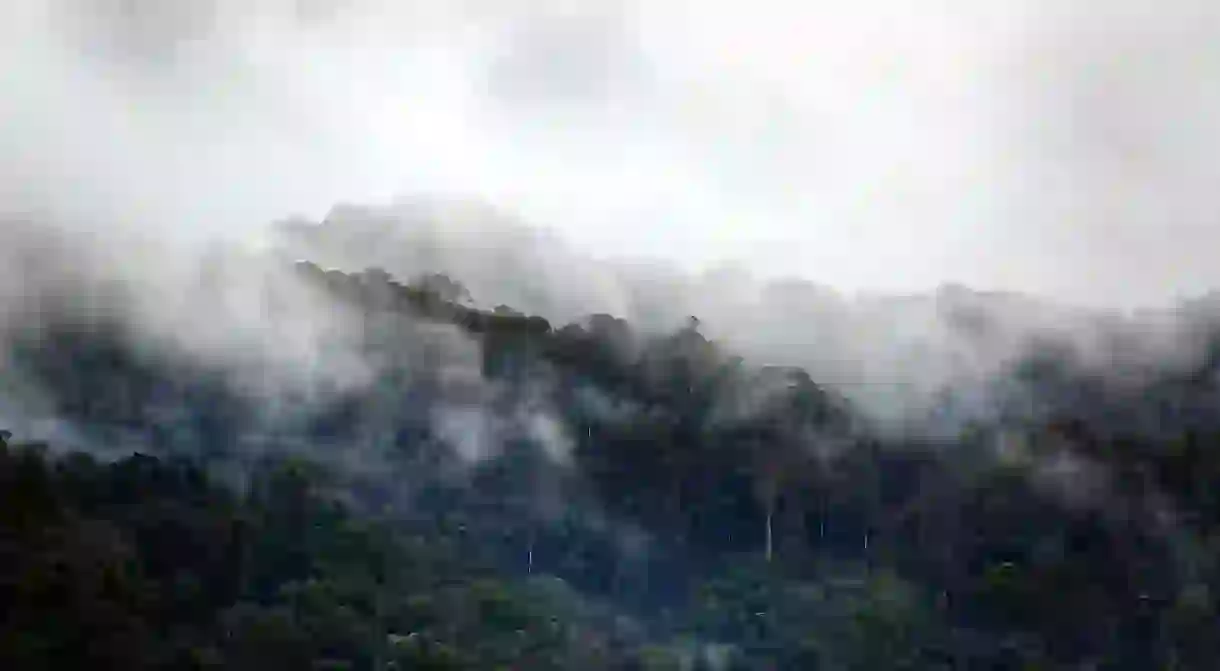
[1066, 148]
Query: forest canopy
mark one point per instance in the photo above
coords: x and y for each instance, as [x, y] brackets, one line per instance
[504, 492]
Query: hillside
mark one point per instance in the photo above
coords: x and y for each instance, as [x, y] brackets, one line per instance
[504, 492]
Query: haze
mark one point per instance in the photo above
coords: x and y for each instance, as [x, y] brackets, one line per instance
[1060, 148]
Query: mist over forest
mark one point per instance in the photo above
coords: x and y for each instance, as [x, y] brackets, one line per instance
[336, 451]
[369, 335]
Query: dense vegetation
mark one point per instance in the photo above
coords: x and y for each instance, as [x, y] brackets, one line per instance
[647, 502]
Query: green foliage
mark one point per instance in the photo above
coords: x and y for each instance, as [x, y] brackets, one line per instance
[284, 579]
[704, 512]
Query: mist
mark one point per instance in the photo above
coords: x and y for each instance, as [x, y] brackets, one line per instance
[1021, 146]
[817, 185]
[786, 174]
[961, 221]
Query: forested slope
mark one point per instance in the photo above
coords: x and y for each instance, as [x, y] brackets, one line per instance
[593, 496]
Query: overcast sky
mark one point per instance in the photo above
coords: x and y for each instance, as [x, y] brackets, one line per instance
[1066, 148]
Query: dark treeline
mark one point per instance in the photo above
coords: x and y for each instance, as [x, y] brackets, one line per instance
[647, 502]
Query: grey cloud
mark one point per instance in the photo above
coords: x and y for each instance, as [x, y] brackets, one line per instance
[1018, 145]
[585, 59]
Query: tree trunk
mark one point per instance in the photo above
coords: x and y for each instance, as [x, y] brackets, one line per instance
[529, 569]
[770, 548]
